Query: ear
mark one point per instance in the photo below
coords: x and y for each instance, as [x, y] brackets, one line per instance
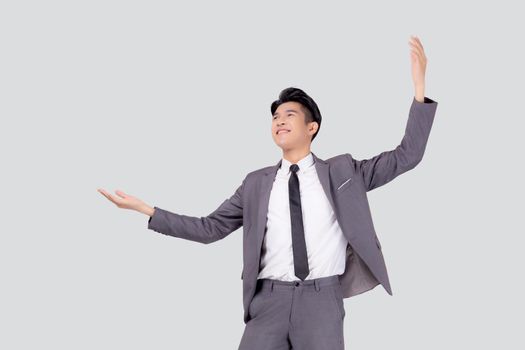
[313, 126]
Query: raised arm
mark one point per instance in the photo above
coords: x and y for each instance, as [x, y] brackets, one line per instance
[227, 218]
[384, 167]
[387, 165]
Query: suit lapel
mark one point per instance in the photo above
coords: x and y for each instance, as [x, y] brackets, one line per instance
[323, 171]
[264, 199]
[322, 168]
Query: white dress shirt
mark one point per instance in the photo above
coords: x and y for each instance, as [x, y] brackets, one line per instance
[325, 241]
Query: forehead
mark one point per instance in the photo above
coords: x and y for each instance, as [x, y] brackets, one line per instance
[289, 106]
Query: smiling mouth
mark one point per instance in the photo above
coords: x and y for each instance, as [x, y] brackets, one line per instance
[282, 132]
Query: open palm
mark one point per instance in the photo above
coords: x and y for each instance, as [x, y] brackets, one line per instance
[418, 61]
[123, 200]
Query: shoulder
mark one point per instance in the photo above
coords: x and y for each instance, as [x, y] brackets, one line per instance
[340, 158]
[343, 161]
[259, 172]
[337, 158]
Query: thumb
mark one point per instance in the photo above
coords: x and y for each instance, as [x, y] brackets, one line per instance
[121, 194]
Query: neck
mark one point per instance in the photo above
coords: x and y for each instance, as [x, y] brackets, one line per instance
[295, 155]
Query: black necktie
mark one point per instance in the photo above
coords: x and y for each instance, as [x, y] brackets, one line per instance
[300, 257]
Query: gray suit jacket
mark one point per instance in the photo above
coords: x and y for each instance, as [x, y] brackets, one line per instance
[345, 181]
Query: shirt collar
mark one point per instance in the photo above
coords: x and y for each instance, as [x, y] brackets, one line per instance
[303, 164]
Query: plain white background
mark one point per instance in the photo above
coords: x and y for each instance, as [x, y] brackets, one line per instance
[171, 103]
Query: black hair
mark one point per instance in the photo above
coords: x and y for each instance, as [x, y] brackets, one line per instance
[308, 105]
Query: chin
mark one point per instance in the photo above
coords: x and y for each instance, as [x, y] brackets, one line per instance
[280, 145]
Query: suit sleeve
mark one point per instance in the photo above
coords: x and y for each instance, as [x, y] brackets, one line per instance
[386, 166]
[227, 218]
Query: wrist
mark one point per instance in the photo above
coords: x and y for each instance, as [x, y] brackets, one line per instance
[420, 98]
[419, 94]
[147, 210]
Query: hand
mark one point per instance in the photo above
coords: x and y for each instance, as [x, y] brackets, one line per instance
[419, 64]
[127, 201]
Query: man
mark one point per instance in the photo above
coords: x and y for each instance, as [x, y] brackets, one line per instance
[308, 236]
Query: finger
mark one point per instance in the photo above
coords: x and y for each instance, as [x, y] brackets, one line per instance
[109, 196]
[419, 46]
[121, 194]
[419, 43]
[413, 44]
[419, 52]
[415, 39]
[114, 199]
[415, 51]
[103, 192]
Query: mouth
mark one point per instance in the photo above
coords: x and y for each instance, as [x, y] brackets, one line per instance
[282, 131]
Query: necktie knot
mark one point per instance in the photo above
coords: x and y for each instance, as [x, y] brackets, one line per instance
[294, 168]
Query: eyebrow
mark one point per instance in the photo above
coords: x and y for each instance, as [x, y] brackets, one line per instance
[288, 110]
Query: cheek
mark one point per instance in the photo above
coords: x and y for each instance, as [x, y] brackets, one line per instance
[301, 129]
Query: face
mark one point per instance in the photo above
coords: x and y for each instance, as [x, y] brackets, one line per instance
[289, 130]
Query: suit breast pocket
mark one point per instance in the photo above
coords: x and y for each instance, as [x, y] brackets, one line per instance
[344, 185]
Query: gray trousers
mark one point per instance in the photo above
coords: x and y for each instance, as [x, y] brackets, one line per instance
[301, 315]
